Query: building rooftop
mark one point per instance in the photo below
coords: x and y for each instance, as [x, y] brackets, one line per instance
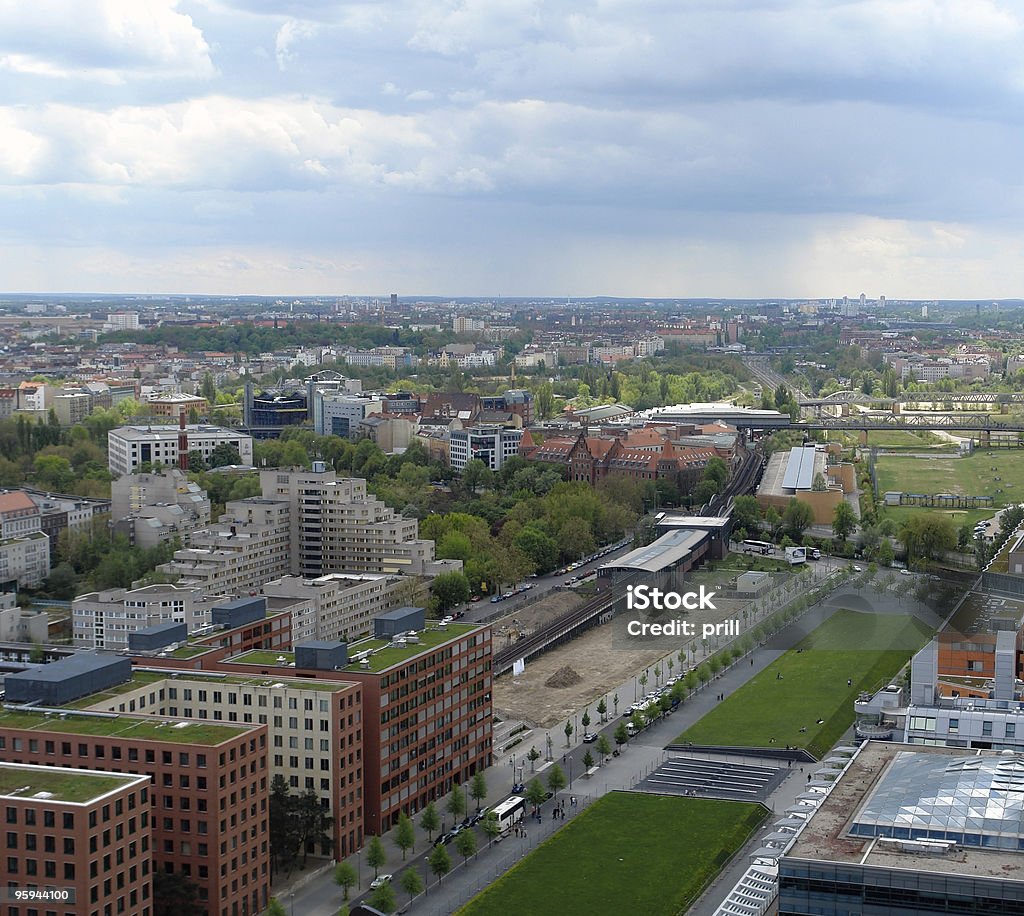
[799, 473]
[139, 728]
[669, 549]
[59, 784]
[383, 653]
[898, 806]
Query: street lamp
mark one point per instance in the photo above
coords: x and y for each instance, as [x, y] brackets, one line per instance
[291, 898]
[570, 772]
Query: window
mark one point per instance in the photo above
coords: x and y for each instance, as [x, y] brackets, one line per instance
[954, 726]
[1011, 730]
[986, 728]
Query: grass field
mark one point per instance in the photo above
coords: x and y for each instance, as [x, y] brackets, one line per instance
[958, 517]
[974, 475]
[863, 648]
[628, 852]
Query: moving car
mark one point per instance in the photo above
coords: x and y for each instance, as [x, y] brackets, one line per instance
[379, 881]
[589, 738]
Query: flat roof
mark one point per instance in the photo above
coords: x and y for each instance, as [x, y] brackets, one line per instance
[669, 549]
[117, 725]
[383, 652]
[700, 522]
[26, 782]
[799, 468]
[827, 836]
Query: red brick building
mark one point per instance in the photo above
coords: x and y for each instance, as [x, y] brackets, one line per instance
[85, 838]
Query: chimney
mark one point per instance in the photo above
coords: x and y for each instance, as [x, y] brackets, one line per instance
[182, 442]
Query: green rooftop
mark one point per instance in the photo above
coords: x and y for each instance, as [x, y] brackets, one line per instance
[139, 728]
[384, 654]
[139, 679]
[60, 785]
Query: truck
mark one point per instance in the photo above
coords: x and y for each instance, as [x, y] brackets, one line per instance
[796, 555]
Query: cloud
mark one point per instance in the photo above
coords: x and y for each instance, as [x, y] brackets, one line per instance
[292, 31]
[105, 40]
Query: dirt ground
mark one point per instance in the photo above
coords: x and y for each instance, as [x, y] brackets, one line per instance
[597, 657]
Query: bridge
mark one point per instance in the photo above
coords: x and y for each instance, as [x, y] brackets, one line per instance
[966, 422]
[838, 398]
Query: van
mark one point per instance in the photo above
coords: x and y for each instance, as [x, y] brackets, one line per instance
[631, 729]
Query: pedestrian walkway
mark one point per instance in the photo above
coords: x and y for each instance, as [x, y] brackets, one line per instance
[638, 760]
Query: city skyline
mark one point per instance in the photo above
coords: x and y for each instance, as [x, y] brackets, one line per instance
[280, 147]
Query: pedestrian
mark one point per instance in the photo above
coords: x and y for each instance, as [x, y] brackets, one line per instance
[751, 661]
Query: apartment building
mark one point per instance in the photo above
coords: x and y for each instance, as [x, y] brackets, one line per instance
[87, 835]
[337, 606]
[335, 526]
[24, 560]
[151, 508]
[250, 545]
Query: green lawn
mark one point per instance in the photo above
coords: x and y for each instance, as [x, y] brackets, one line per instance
[958, 517]
[969, 476]
[25, 782]
[864, 648]
[649, 854]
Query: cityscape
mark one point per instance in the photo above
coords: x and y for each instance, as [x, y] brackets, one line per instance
[511, 457]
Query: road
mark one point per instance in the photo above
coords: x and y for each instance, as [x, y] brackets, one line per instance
[320, 897]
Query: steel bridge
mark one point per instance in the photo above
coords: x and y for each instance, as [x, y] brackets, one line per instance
[838, 398]
[964, 421]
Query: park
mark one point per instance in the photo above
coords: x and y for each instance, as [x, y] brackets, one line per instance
[805, 698]
[654, 854]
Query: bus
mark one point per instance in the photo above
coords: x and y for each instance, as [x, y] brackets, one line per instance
[762, 547]
[510, 811]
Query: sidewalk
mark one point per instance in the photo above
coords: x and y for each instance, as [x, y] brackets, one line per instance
[637, 759]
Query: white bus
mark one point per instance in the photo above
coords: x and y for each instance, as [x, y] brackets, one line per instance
[510, 811]
[762, 547]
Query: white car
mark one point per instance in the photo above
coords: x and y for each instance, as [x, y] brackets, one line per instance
[857, 569]
[379, 881]
[906, 572]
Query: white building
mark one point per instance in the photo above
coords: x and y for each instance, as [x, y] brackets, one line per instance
[341, 414]
[493, 445]
[130, 446]
[338, 606]
[122, 321]
[103, 620]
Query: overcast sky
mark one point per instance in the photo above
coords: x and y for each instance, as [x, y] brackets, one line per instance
[513, 147]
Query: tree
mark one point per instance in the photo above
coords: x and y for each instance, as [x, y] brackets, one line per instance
[533, 757]
[276, 908]
[175, 895]
[455, 804]
[797, 518]
[284, 835]
[615, 700]
[717, 471]
[440, 862]
[535, 792]
[411, 882]
[376, 854]
[603, 747]
[568, 731]
[585, 719]
[478, 788]
[588, 759]
[384, 898]
[844, 521]
[476, 474]
[747, 513]
[465, 843]
[313, 823]
[491, 827]
[208, 389]
[430, 820]
[621, 734]
[556, 779]
[223, 454]
[885, 553]
[405, 834]
[602, 708]
[345, 876]
[450, 589]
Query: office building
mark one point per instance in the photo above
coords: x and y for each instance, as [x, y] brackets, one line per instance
[336, 414]
[174, 405]
[128, 447]
[912, 831]
[493, 445]
[209, 784]
[72, 407]
[106, 619]
[150, 508]
[87, 835]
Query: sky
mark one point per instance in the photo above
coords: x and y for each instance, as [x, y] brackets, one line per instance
[661, 148]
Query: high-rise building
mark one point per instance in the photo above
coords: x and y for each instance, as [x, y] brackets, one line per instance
[493, 445]
[335, 526]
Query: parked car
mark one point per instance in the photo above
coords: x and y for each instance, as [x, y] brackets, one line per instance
[379, 881]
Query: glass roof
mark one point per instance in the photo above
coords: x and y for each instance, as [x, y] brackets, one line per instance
[975, 801]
